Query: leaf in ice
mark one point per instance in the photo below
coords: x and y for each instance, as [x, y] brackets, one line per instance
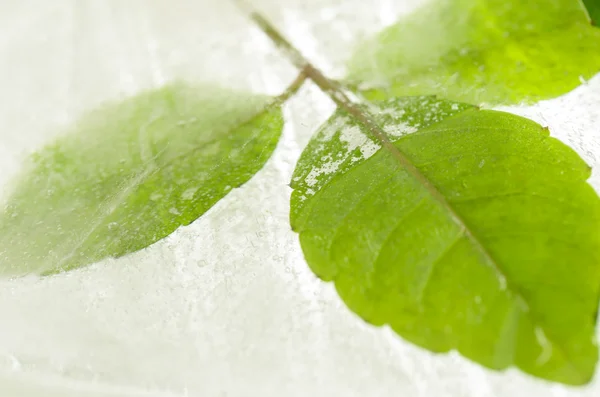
[487, 51]
[593, 8]
[470, 230]
[131, 173]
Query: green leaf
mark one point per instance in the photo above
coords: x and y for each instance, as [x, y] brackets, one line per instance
[593, 8]
[487, 51]
[470, 230]
[131, 173]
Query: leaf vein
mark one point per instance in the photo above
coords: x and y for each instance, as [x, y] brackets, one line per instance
[424, 285]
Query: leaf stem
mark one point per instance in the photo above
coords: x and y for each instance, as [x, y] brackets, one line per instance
[337, 94]
[292, 88]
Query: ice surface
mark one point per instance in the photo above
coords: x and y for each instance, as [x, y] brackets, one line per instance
[227, 305]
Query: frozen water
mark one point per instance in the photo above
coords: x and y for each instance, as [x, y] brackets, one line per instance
[227, 305]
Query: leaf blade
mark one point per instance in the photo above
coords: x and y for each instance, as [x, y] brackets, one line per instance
[492, 52]
[131, 173]
[380, 246]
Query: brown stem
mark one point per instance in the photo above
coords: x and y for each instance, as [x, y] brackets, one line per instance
[293, 87]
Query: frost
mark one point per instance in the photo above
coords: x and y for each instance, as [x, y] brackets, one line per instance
[188, 194]
[155, 196]
[392, 111]
[545, 345]
[351, 139]
[327, 168]
[502, 282]
[328, 132]
[397, 130]
[354, 139]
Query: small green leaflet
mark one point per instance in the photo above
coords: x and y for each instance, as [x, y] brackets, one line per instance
[487, 51]
[489, 245]
[593, 8]
[131, 173]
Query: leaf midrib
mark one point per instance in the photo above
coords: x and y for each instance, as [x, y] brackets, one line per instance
[375, 130]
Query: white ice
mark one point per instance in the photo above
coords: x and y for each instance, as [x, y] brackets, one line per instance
[226, 306]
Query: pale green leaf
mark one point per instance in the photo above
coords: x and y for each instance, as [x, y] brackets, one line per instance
[487, 51]
[131, 173]
[473, 230]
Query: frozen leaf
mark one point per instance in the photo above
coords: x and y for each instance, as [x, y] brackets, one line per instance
[131, 173]
[469, 229]
[490, 51]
